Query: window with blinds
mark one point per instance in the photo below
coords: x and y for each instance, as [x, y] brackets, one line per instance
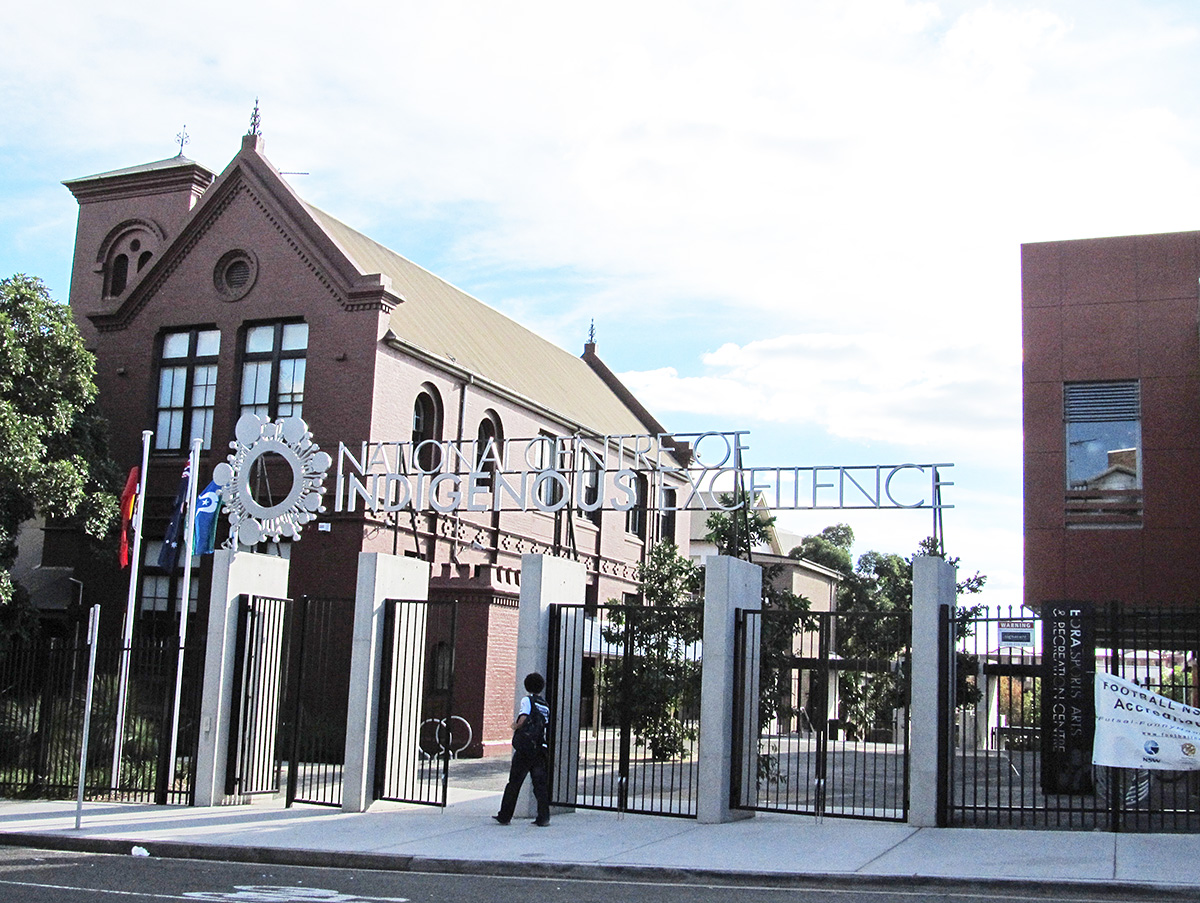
[1103, 423]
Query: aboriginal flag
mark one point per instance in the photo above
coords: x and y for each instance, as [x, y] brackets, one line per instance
[128, 502]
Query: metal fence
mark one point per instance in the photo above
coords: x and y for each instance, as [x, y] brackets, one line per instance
[318, 682]
[42, 697]
[634, 672]
[1005, 706]
[821, 714]
[416, 705]
[254, 757]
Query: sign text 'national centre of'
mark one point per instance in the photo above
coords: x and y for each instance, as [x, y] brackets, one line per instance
[670, 472]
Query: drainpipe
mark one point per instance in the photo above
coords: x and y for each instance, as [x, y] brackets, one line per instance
[462, 416]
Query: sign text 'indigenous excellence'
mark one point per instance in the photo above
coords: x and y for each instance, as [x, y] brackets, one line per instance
[670, 472]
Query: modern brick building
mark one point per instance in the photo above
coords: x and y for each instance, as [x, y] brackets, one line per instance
[1111, 389]
[205, 296]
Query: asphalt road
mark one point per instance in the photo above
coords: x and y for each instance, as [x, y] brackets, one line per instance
[38, 876]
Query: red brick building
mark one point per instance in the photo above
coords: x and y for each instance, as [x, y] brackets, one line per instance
[1111, 384]
[204, 296]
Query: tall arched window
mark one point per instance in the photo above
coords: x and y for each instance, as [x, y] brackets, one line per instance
[427, 429]
[635, 517]
[118, 275]
[489, 440]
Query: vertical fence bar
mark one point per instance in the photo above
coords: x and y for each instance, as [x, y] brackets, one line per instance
[93, 637]
[300, 628]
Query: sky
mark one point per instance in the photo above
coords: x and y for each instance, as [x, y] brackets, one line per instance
[802, 219]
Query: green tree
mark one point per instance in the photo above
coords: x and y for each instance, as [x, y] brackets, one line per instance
[829, 548]
[880, 584]
[53, 457]
[735, 532]
[657, 682]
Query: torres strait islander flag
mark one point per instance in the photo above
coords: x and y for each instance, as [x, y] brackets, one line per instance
[208, 513]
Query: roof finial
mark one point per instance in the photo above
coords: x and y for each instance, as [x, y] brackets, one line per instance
[592, 333]
[182, 138]
[255, 121]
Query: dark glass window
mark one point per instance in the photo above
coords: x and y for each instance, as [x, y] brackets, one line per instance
[488, 442]
[1103, 435]
[427, 430]
[119, 275]
[547, 455]
[590, 483]
[635, 517]
[667, 524]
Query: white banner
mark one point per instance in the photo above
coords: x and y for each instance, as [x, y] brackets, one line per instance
[1136, 728]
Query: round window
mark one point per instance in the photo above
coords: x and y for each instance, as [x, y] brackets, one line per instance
[234, 274]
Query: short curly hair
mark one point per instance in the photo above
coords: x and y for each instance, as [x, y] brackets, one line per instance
[534, 682]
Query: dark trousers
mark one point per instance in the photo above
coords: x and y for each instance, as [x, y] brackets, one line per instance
[534, 765]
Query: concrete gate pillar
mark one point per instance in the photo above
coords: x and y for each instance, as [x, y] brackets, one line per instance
[933, 590]
[234, 574]
[729, 584]
[546, 580]
[380, 577]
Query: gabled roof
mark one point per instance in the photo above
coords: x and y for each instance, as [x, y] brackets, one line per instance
[429, 317]
[449, 325]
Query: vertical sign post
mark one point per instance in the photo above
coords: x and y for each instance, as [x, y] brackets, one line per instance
[1068, 706]
[93, 636]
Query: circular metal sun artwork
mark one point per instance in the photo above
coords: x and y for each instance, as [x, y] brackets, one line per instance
[257, 440]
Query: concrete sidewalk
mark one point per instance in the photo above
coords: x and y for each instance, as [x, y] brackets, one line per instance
[771, 849]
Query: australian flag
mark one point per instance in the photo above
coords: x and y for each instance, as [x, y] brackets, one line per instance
[168, 558]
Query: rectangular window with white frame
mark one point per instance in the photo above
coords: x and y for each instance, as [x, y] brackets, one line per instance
[273, 368]
[187, 388]
[162, 593]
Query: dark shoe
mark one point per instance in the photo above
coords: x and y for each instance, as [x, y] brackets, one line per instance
[499, 820]
[542, 824]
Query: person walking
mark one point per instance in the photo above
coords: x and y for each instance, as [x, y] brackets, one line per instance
[531, 730]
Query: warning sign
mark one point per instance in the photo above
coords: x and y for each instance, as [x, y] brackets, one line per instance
[1016, 633]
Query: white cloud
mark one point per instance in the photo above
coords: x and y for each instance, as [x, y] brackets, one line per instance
[806, 215]
[949, 399]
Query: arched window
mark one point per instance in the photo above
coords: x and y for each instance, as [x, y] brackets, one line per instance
[118, 275]
[427, 429]
[489, 440]
[126, 253]
[635, 517]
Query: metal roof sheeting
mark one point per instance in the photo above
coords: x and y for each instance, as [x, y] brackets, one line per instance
[450, 325]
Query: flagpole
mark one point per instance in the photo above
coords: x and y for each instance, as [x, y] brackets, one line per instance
[130, 607]
[189, 531]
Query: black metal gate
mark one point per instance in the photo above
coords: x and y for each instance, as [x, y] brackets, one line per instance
[1006, 692]
[633, 673]
[255, 763]
[821, 713]
[417, 724]
[318, 685]
[42, 694]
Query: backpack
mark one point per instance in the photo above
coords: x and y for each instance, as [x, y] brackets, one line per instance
[530, 737]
